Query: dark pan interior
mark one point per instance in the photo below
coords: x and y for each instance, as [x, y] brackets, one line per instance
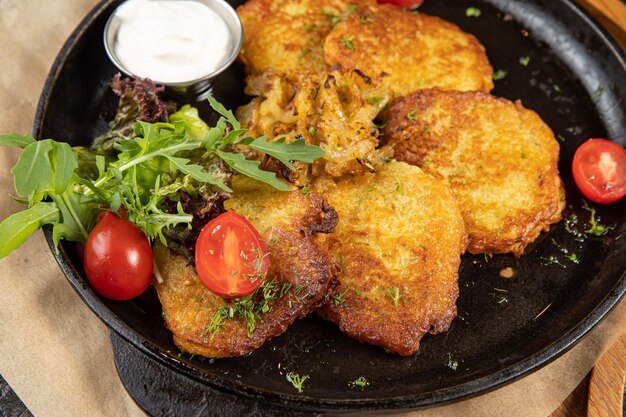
[575, 80]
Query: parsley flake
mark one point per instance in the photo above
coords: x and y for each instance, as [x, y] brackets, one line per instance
[525, 60]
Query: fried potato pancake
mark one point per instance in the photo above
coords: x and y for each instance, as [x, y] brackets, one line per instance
[414, 49]
[398, 244]
[301, 273]
[499, 158]
[288, 35]
[334, 110]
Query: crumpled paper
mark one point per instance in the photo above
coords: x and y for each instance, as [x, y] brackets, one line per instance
[55, 353]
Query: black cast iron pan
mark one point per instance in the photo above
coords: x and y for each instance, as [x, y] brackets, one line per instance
[575, 79]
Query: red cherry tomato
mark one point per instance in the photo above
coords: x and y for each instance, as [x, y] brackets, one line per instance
[118, 258]
[231, 258]
[599, 168]
[403, 3]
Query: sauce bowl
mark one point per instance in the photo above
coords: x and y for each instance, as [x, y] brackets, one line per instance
[198, 87]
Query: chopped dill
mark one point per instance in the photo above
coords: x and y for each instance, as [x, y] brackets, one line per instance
[452, 364]
[598, 92]
[525, 60]
[361, 198]
[297, 381]
[595, 228]
[346, 41]
[411, 115]
[284, 289]
[361, 382]
[560, 137]
[374, 100]
[399, 186]
[499, 75]
[339, 297]
[556, 88]
[394, 294]
[312, 131]
[500, 299]
[472, 12]
[342, 262]
[551, 260]
[357, 292]
[249, 308]
[306, 190]
[573, 257]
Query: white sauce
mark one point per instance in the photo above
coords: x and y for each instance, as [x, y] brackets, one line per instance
[171, 41]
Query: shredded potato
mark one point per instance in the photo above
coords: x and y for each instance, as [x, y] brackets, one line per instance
[333, 110]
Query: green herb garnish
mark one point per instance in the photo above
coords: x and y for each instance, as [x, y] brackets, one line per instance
[499, 74]
[249, 308]
[339, 297]
[452, 364]
[346, 41]
[135, 176]
[525, 60]
[472, 12]
[595, 228]
[297, 381]
[361, 382]
[394, 294]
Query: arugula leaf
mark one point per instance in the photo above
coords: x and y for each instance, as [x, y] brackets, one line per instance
[16, 228]
[230, 117]
[76, 214]
[63, 165]
[17, 140]
[250, 168]
[297, 150]
[196, 172]
[33, 172]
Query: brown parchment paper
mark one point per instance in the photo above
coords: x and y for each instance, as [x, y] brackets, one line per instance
[56, 354]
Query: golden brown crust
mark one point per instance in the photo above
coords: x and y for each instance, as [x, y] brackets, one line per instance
[288, 35]
[284, 221]
[415, 50]
[398, 228]
[500, 159]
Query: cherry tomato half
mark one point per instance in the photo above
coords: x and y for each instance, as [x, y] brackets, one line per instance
[599, 168]
[118, 258]
[403, 3]
[231, 258]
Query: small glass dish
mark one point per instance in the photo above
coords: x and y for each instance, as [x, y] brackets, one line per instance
[199, 87]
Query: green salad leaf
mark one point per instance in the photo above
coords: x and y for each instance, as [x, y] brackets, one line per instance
[143, 173]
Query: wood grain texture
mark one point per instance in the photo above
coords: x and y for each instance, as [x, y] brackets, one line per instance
[611, 14]
[606, 385]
